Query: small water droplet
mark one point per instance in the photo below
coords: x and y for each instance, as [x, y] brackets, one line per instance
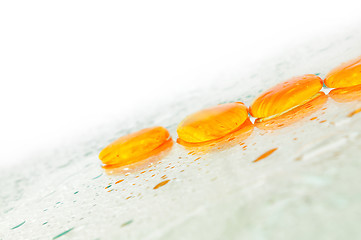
[19, 225]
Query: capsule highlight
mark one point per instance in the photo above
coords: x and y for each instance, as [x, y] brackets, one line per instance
[212, 123]
[347, 74]
[134, 147]
[286, 96]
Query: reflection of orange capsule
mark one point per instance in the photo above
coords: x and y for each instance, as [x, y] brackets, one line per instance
[294, 115]
[134, 147]
[285, 96]
[346, 75]
[137, 165]
[227, 141]
[346, 94]
[212, 123]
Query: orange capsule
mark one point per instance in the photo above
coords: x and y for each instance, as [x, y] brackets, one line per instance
[135, 146]
[286, 96]
[346, 75]
[212, 123]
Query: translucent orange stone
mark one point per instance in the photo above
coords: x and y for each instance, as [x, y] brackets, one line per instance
[286, 96]
[212, 123]
[135, 146]
[346, 75]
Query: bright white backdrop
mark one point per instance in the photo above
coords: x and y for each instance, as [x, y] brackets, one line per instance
[67, 66]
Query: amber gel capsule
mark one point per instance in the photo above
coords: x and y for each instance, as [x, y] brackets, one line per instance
[286, 96]
[134, 147]
[212, 123]
[346, 75]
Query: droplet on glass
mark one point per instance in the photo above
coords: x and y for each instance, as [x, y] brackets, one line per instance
[266, 154]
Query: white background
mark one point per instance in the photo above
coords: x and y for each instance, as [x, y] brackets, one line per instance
[67, 66]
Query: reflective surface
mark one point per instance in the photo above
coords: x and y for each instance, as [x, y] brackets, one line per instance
[309, 188]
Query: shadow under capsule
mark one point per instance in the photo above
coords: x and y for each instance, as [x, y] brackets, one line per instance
[225, 142]
[349, 94]
[142, 162]
[294, 115]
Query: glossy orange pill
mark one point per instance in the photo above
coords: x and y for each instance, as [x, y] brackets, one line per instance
[212, 123]
[134, 147]
[346, 75]
[286, 96]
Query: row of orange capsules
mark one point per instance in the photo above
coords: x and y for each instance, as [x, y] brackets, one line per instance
[212, 124]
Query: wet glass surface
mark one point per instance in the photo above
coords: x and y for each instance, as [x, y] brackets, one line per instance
[299, 180]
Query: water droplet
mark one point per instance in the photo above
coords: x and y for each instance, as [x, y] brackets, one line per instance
[98, 176]
[19, 225]
[354, 112]
[266, 154]
[119, 181]
[62, 234]
[161, 184]
[127, 223]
